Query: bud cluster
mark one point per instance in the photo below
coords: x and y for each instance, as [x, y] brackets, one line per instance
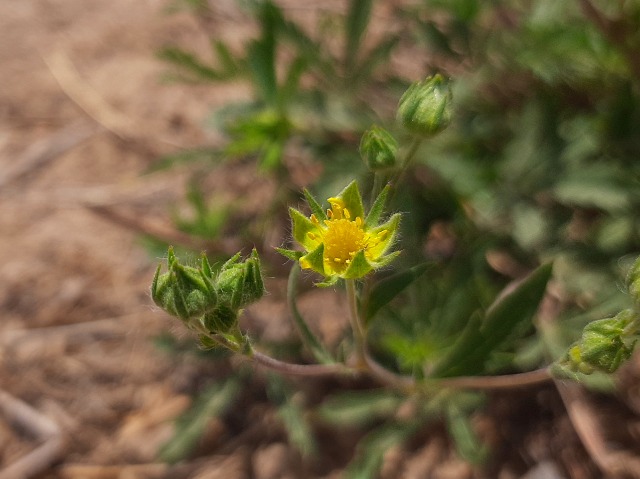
[605, 344]
[204, 301]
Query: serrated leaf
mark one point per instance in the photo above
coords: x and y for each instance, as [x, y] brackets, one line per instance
[388, 288]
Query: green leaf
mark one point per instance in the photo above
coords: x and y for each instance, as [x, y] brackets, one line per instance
[388, 288]
[262, 55]
[483, 335]
[370, 451]
[189, 64]
[298, 429]
[196, 155]
[230, 66]
[356, 24]
[292, 80]
[214, 401]
[467, 443]
[359, 408]
[379, 55]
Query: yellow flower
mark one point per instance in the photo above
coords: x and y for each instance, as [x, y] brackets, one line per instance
[343, 243]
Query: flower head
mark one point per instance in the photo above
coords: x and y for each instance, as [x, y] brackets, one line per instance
[342, 242]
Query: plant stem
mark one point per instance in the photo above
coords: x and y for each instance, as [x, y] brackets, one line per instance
[300, 369]
[356, 324]
[308, 338]
[408, 159]
[507, 381]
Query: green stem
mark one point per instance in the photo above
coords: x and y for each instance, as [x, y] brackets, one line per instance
[378, 184]
[356, 324]
[408, 159]
[308, 338]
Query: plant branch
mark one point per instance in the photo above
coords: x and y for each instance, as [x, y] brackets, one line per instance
[300, 369]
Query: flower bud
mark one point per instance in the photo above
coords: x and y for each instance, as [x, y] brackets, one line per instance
[184, 291]
[425, 108]
[378, 149]
[604, 345]
[240, 283]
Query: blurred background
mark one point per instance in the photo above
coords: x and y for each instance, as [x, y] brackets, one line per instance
[126, 126]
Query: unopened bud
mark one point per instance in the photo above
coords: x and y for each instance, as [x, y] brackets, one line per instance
[378, 149]
[184, 291]
[425, 108]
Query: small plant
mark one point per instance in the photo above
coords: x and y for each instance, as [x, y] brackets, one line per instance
[417, 333]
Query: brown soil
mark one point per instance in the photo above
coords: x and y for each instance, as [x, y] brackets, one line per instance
[83, 113]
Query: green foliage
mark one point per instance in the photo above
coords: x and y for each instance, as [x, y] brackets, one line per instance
[534, 164]
[212, 402]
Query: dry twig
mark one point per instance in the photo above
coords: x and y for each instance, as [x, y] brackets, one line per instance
[613, 463]
[46, 150]
[42, 428]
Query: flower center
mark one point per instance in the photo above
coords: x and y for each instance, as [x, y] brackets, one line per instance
[342, 240]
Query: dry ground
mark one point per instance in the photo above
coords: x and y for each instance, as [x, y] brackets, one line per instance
[82, 115]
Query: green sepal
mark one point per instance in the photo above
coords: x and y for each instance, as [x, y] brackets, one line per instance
[385, 260]
[392, 227]
[205, 266]
[290, 253]
[376, 209]
[359, 266]
[301, 227]
[352, 200]
[221, 320]
[314, 260]
[328, 282]
[316, 208]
